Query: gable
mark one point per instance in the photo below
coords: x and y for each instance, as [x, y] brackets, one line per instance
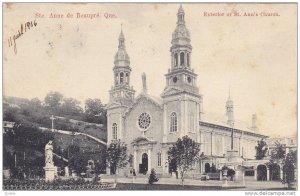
[112, 105]
[171, 91]
[144, 100]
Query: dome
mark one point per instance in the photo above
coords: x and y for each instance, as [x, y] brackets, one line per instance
[181, 32]
[122, 55]
[229, 102]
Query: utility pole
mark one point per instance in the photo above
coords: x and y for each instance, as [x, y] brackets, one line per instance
[52, 120]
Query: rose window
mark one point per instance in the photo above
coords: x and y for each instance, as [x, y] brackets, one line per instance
[144, 121]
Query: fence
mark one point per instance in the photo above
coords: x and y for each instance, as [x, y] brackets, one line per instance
[60, 187]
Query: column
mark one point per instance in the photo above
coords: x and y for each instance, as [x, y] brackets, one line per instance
[255, 174]
[165, 120]
[135, 158]
[184, 60]
[281, 172]
[164, 161]
[172, 60]
[120, 130]
[239, 146]
[149, 158]
[224, 146]
[242, 144]
[212, 143]
[186, 115]
[182, 125]
[197, 126]
[268, 174]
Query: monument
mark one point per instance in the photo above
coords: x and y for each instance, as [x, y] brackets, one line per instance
[49, 164]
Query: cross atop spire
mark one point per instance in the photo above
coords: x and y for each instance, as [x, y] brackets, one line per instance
[121, 39]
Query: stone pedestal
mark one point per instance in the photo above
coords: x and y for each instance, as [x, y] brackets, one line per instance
[50, 173]
[67, 172]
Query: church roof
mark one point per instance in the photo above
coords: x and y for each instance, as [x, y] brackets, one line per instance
[221, 121]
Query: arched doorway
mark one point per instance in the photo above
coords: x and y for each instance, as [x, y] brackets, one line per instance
[143, 168]
[207, 168]
[261, 172]
[274, 172]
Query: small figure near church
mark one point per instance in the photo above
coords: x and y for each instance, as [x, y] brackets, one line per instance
[49, 154]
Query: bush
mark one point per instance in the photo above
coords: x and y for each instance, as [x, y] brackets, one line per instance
[153, 178]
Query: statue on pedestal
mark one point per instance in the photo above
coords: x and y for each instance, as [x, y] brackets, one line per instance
[49, 154]
[50, 169]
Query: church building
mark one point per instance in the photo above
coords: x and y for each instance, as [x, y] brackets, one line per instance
[150, 125]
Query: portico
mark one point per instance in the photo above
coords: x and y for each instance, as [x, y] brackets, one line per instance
[142, 154]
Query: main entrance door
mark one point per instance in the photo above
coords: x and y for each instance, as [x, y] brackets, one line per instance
[143, 168]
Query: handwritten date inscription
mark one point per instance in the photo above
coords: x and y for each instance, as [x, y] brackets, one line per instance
[23, 29]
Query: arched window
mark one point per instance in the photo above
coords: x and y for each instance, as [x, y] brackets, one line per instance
[176, 60]
[182, 59]
[126, 78]
[188, 59]
[114, 131]
[121, 78]
[173, 122]
[159, 159]
[191, 123]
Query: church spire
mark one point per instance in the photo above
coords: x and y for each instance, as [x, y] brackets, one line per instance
[121, 39]
[229, 111]
[122, 71]
[181, 75]
[181, 48]
[121, 58]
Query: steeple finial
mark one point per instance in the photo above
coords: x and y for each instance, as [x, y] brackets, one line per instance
[121, 39]
[180, 10]
[144, 83]
[180, 16]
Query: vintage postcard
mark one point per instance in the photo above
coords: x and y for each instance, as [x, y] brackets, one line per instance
[149, 96]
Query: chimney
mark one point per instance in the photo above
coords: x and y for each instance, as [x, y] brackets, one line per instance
[254, 119]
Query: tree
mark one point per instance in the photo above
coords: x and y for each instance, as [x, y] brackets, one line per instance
[290, 163]
[278, 153]
[95, 111]
[152, 178]
[116, 156]
[35, 104]
[53, 100]
[184, 153]
[79, 162]
[71, 106]
[261, 149]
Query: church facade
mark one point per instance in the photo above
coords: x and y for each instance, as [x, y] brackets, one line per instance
[150, 125]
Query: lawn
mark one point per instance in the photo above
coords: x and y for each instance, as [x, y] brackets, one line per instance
[125, 186]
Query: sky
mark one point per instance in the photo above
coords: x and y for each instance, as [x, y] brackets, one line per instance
[254, 56]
